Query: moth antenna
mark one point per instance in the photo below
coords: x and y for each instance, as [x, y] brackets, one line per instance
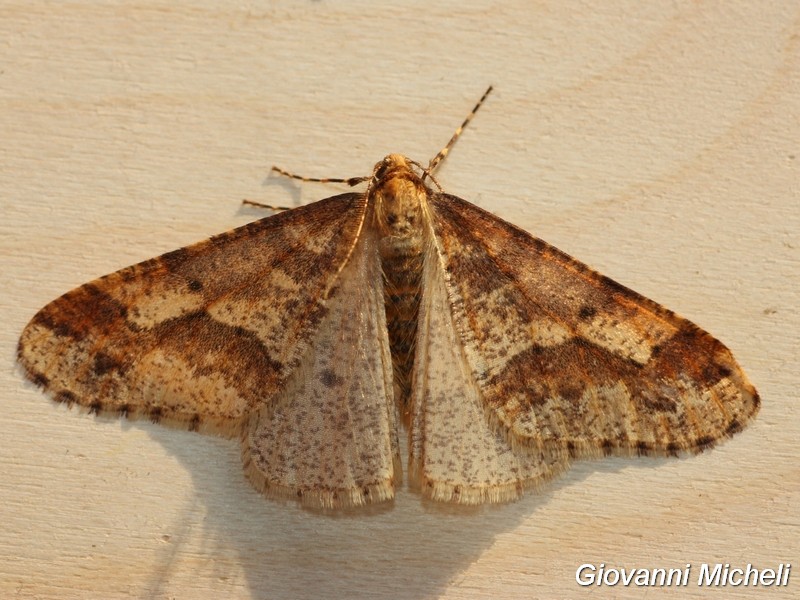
[426, 173]
[352, 181]
[444, 151]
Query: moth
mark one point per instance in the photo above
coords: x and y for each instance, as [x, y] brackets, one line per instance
[316, 334]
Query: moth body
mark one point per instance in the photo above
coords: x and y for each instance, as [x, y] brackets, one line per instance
[398, 198]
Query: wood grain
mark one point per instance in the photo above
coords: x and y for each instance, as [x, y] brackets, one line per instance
[655, 141]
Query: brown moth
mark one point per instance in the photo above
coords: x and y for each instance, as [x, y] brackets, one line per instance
[314, 333]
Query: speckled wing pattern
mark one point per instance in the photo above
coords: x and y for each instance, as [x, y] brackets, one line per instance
[329, 436]
[571, 363]
[457, 454]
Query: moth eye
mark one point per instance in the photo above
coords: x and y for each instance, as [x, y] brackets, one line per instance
[391, 218]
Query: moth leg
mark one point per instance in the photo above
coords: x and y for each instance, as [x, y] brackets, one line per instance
[267, 206]
[352, 181]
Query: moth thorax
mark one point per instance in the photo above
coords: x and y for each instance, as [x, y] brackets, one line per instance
[399, 196]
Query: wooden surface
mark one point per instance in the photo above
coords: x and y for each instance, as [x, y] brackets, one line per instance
[656, 141]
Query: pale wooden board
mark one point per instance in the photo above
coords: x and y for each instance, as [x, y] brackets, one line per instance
[656, 141]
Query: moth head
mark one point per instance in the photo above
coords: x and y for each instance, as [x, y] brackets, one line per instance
[398, 195]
